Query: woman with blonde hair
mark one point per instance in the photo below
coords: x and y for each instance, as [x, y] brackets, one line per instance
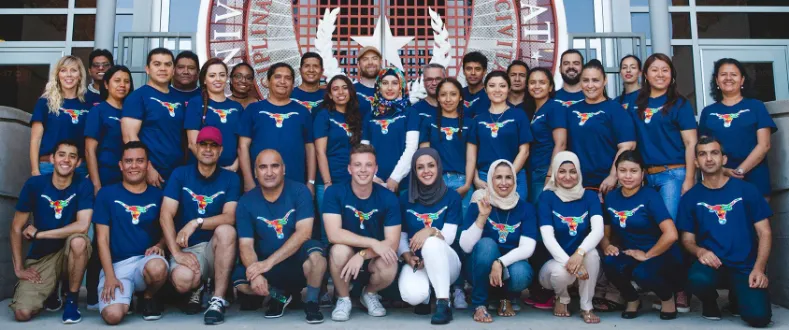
[59, 114]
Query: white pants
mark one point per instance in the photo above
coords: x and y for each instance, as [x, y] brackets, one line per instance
[442, 268]
[555, 277]
[130, 273]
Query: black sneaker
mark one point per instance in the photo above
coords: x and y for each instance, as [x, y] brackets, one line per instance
[53, 302]
[443, 312]
[193, 305]
[710, 311]
[215, 314]
[732, 308]
[422, 309]
[313, 312]
[151, 310]
[247, 302]
[277, 305]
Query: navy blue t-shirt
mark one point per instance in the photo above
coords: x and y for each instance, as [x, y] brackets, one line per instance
[104, 126]
[735, 127]
[499, 136]
[332, 126]
[571, 221]
[636, 219]
[659, 135]
[628, 99]
[416, 216]
[594, 131]
[363, 217]
[201, 197]
[93, 98]
[364, 92]
[226, 116]
[568, 99]
[425, 110]
[69, 124]
[286, 129]
[450, 141]
[162, 117]
[506, 227]
[133, 219]
[52, 208]
[388, 133]
[272, 224]
[184, 96]
[477, 103]
[722, 220]
[548, 118]
[310, 100]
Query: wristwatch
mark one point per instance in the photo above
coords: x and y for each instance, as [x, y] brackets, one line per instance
[362, 253]
[739, 171]
[200, 223]
[312, 182]
[580, 252]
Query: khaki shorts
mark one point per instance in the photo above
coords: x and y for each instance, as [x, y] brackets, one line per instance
[31, 296]
[205, 257]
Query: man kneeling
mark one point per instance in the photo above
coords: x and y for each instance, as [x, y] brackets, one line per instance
[274, 223]
[362, 220]
[129, 240]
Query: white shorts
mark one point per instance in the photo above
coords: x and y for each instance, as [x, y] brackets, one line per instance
[130, 273]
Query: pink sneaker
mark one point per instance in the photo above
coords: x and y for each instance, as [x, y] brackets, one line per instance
[547, 304]
[683, 305]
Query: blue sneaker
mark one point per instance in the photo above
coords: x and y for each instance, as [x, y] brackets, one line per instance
[71, 313]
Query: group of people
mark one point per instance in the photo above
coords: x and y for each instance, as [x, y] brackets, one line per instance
[503, 185]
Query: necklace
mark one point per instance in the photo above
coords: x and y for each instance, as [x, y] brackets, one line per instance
[506, 221]
[497, 120]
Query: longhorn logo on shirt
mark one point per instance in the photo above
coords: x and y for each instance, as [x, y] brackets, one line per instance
[503, 229]
[572, 222]
[279, 117]
[278, 224]
[721, 209]
[170, 106]
[222, 113]
[536, 118]
[567, 104]
[368, 98]
[202, 200]
[649, 112]
[448, 131]
[136, 211]
[58, 205]
[623, 215]
[384, 123]
[468, 104]
[344, 126]
[425, 115]
[308, 104]
[114, 118]
[427, 218]
[729, 117]
[495, 127]
[361, 215]
[74, 114]
[585, 116]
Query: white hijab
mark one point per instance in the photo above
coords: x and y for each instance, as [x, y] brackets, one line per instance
[501, 202]
[566, 195]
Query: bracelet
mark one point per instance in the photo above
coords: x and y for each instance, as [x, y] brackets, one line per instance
[34, 235]
[500, 262]
[326, 182]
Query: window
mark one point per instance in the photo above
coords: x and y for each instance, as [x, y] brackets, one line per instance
[742, 3]
[680, 24]
[183, 16]
[579, 16]
[646, 2]
[34, 4]
[84, 28]
[738, 25]
[33, 27]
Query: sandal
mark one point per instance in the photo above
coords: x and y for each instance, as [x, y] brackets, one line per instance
[604, 305]
[505, 308]
[589, 317]
[481, 315]
[557, 305]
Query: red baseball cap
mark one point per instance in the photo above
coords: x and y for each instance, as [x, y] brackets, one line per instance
[210, 133]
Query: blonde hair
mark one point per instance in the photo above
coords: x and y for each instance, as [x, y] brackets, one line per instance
[53, 91]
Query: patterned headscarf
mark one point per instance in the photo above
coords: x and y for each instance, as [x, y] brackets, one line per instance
[380, 104]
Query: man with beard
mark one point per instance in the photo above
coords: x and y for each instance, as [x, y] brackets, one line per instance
[570, 67]
[278, 257]
[197, 219]
[129, 239]
[432, 74]
[475, 67]
[184, 85]
[724, 224]
[369, 62]
[61, 205]
[309, 93]
[99, 61]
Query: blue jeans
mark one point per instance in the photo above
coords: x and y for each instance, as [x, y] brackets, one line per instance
[754, 304]
[522, 189]
[537, 183]
[657, 274]
[455, 181]
[318, 231]
[669, 184]
[47, 168]
[485, 252]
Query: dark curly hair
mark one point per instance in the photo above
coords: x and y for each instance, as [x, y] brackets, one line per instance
[353, 117]
[747, 86]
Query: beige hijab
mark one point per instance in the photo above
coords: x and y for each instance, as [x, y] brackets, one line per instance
[566, 195]
[501, 202]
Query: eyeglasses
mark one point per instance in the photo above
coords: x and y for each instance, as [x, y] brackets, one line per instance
[432, 80]
[239, 76]
[101, 65]
[208, 144]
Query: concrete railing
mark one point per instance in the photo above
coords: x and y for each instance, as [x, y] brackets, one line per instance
[778, 158]
[14, 170]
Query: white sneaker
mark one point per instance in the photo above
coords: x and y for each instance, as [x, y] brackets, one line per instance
[93, 307]
[373, 304]
[459, 300]
[342, 311]
[515, 306]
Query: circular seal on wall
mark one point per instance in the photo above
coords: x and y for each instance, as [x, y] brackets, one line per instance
[264, 32]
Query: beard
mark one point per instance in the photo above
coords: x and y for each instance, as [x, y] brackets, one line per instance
[571, 80]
